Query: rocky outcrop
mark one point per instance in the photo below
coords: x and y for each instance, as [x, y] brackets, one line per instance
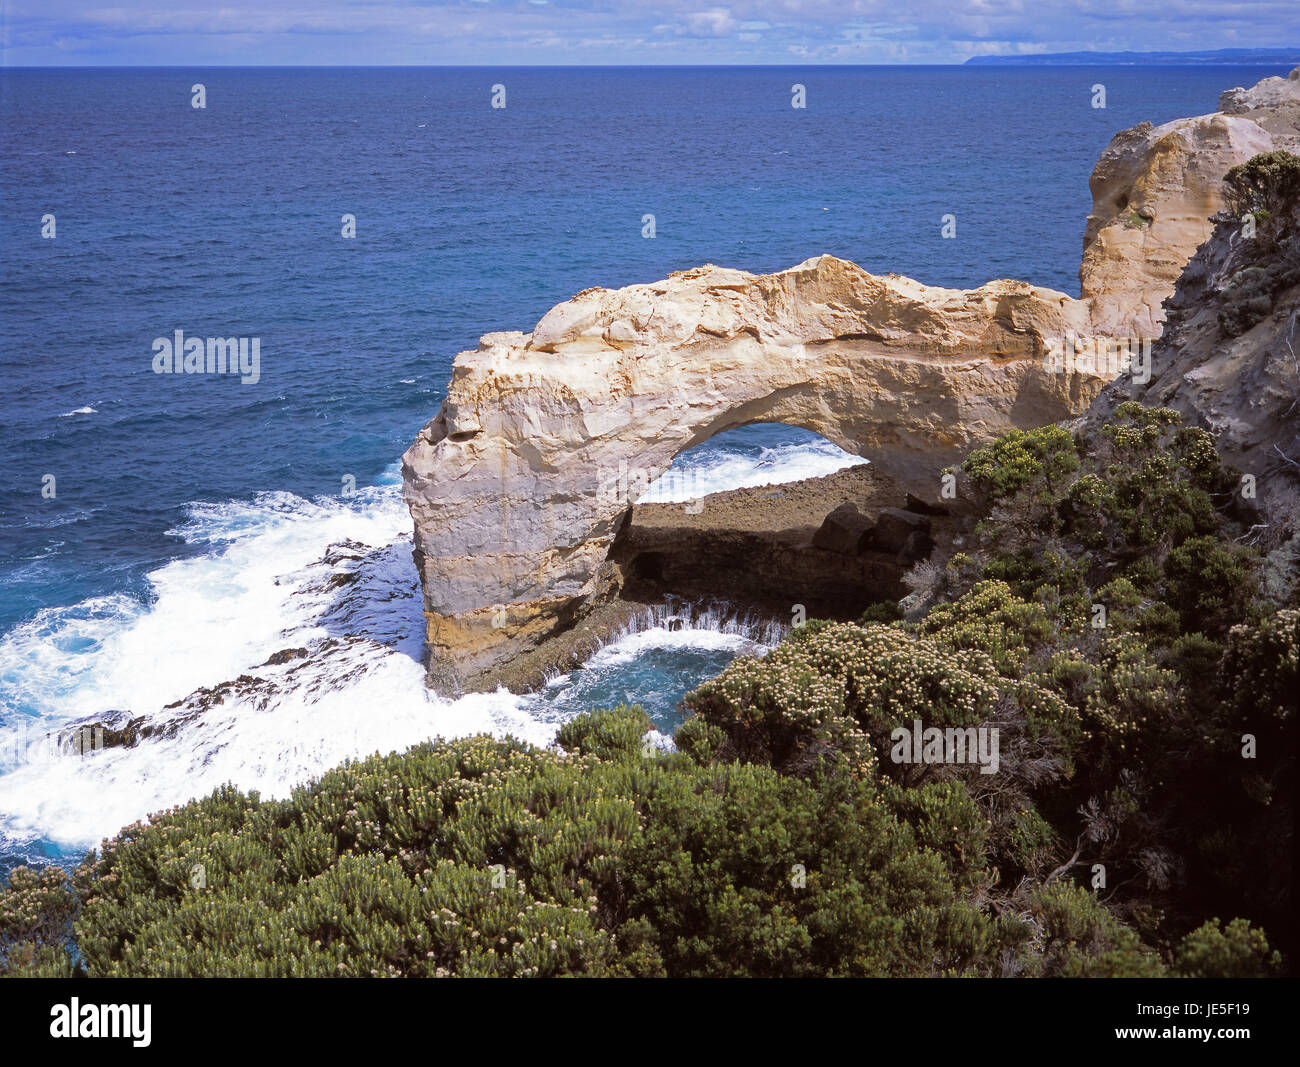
[844, 530]
[521, 483]
[773, 550]
[1274, 104]
[1244, 389]
[1227, 357]
[1153, 192]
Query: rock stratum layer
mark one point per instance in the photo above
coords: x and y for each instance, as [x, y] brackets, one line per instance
[522, 483]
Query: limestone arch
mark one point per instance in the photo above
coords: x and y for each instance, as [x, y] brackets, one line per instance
[509, 486]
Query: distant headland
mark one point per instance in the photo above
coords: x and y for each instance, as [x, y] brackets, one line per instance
[1218, 56]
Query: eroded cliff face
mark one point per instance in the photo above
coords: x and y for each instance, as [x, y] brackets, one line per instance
[1154, 189]
[1242, 387]
[519, 486]
[1273, 103]
[1238, 379]
[521, 483]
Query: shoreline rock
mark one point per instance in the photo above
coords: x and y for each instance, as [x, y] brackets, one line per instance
[751, 551]
[522, 485]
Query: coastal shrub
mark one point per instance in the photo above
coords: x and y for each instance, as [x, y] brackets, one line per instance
[991, 619]
[1262, 667]
[1033, 841]
[1209, 583]
[1022, 471]
[1250, 294]
[837, 692]
[1081, 939]
[1268, 183]
[1266, 191]
[881, 611]
[616, 733]
[1117, 504]
[781, 838]
[746, 872]
[37, 909]
[485, 857]
[1238, 951]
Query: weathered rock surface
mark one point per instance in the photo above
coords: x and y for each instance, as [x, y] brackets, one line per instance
[1245, 390]
[519, 485]
[1241, 385]
[1153, 191]
[524, 480]
[759, 548]
[902, 533]
[1274, 103]
[844, 530]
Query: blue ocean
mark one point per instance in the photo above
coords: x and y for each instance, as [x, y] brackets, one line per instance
[164, 534]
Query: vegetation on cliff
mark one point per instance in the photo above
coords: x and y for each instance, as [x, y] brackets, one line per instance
[1263, 196]
[1125, 831]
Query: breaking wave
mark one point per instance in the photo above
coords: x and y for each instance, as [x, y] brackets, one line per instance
[289, 642]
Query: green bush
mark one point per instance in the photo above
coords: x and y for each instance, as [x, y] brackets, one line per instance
[37, 909]
[1102, 619]
[1240, 951]
[1266, 188]
[483, 857]
[1083, 940]
[1268, 182]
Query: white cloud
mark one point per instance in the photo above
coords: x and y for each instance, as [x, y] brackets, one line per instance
[559, 31]
[717, 21]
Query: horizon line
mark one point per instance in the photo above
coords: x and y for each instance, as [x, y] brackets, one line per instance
[640, 66]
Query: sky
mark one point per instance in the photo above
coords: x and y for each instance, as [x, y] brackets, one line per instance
[508, 32]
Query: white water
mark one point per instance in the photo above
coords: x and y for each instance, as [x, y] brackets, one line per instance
[712, 470]
[265, 584]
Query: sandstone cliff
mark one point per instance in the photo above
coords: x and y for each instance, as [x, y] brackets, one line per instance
[521, 484]
[1154, 189]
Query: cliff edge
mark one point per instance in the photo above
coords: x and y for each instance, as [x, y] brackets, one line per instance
[523, 481]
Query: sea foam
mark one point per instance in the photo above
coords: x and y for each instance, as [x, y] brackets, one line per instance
[278, 574]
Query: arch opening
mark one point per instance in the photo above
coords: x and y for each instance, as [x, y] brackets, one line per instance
[746, 457]
[773, 518]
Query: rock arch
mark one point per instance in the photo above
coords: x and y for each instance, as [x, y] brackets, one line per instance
[519, 485]
[508, 486]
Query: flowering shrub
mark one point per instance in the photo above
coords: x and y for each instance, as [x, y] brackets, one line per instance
[838, 691]
[1152, 740]
[485, 857]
